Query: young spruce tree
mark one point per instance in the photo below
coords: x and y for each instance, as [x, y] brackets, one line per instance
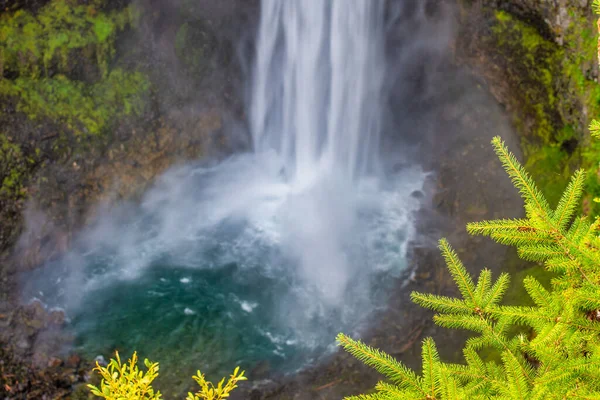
[560, 358]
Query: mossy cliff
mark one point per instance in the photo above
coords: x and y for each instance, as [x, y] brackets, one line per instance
[539, 59]
[99, 97]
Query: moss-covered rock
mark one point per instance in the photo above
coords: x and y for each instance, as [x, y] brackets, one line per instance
[539, 59]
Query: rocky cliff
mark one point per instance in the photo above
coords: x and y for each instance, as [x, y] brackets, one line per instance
[179, 90]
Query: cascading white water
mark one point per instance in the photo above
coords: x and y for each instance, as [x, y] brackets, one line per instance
[317, 82]
[315, 104]
[271, 253]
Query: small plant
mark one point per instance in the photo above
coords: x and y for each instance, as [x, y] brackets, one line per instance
[209, 392]
[125, 381]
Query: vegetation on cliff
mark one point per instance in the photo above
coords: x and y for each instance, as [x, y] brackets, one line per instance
[61, 91]
[556, 95]
[125, 381]
[549, 350]
[39, 60]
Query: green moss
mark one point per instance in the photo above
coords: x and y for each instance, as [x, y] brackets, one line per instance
[81, 108]
[193, 46]
[552, 125]
[31, 44]
[532, 64]
[13, 169]
[581, 43]
[62, 34]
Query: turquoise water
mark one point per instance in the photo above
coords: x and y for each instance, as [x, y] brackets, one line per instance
[199, 276]
[190, 319]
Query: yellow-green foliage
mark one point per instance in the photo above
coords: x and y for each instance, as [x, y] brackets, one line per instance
[13, 168]
[560, 358]
[570, 68]
[125, 381]
[536, 61]
[63, 33]
[30, 44]
[80, 107]
[210, 392]
[534, 65]
[542, 68]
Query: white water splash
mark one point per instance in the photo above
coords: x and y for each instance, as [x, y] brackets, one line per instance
[316, 103]
[310, 209]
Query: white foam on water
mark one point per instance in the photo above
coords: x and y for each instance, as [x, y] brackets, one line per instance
[310, 207]
[248, 306]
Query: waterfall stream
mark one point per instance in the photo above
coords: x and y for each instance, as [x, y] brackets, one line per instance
[266, 255]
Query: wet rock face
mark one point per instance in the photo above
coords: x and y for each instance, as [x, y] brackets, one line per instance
[552, 16]
[30, 336]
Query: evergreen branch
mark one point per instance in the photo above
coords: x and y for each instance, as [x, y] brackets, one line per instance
[520, 177]
[561, 264]
[449, 386]
[430, 360]
[441, 303]
[495, 294]
[568, 202]
[536, 291]
[483, 283]
[468, 322]
[459, 273]
[515, 376]
[486, 228]
[520, 315]
[373, 396]
[539, 252]
[383, 363]
[521, 238]
[391, 392]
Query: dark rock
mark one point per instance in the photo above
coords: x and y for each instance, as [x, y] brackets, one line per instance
[54, 362]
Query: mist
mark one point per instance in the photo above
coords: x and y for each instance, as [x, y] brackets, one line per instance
[300, 235]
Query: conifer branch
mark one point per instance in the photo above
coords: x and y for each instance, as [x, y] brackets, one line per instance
[560, 358]
[383, 363]
[520, 177]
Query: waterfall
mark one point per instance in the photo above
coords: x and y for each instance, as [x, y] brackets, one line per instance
[317, 80]
[315, 104]
[268, 254]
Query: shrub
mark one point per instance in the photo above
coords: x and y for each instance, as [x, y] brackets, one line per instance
[127, 382]
[560, 357]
